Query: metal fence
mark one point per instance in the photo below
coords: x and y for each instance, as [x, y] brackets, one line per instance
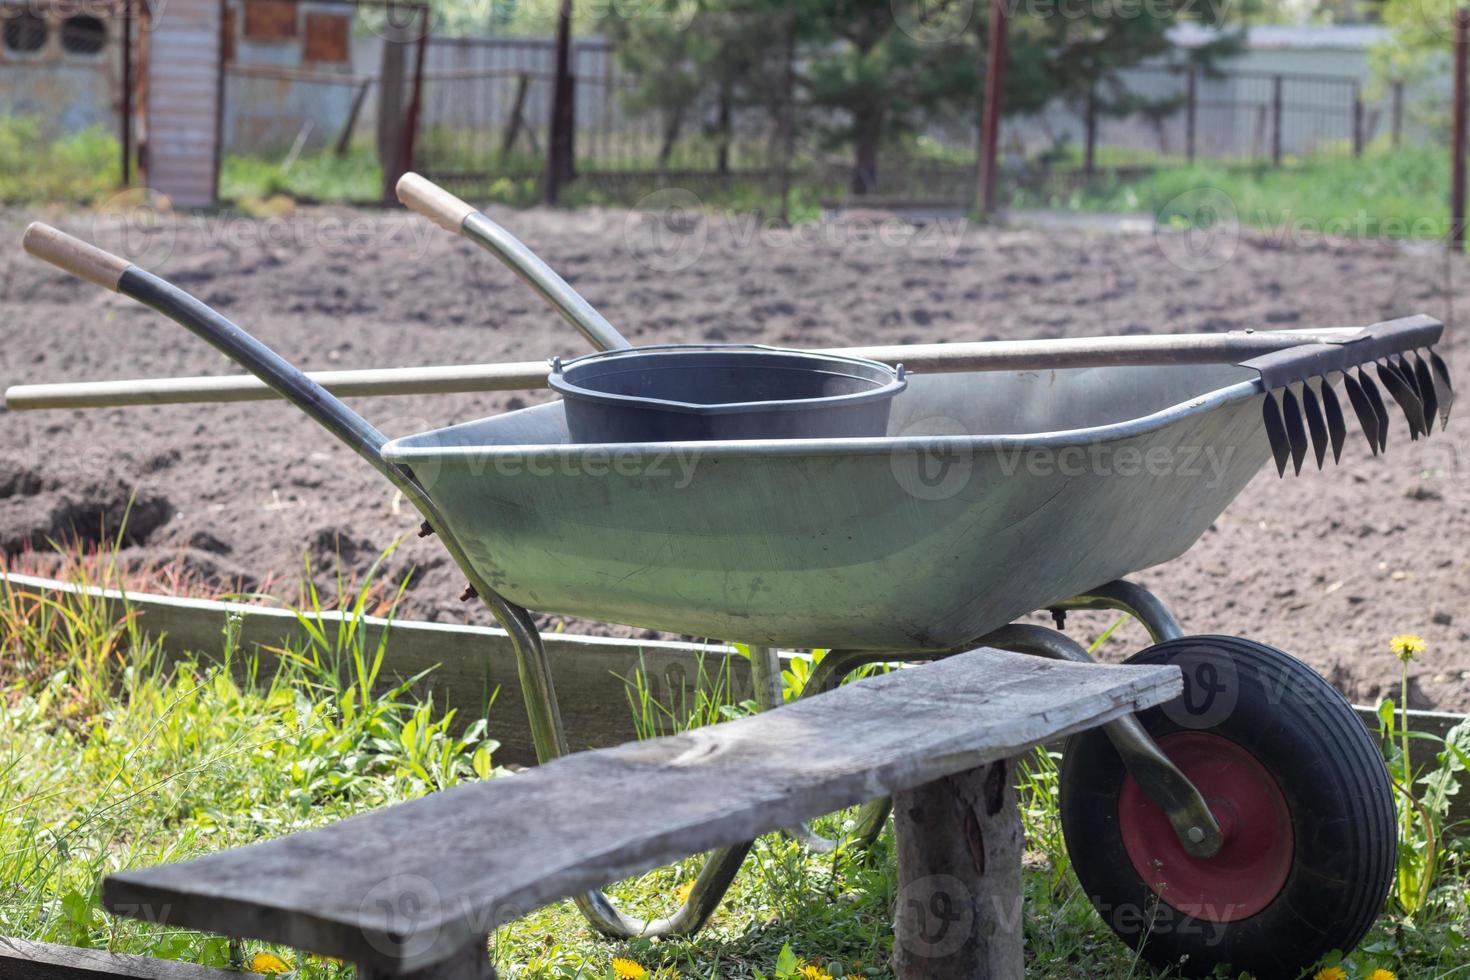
[1239, 116]
[486, 106]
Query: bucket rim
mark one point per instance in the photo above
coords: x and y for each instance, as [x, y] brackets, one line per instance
[894, 380]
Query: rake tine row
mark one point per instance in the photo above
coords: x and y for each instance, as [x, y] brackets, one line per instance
[1312, 417]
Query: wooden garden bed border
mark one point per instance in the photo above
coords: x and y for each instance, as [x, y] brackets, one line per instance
[471, 663]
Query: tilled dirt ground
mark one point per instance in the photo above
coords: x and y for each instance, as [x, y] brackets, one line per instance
[1328, 565]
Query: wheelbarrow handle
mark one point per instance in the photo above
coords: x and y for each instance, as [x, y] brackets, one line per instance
[452, 214]
[119, 275]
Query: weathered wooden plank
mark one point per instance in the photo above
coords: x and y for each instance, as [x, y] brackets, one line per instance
[408, 885]
[959, 843]
[21, 959]
[470, 663]
[591, 672]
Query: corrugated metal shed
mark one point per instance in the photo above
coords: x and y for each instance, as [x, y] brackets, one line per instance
[182, 103]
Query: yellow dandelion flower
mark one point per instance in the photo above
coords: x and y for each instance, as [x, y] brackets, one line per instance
[813, 972]
[1330, 973]
[627, 969]
[684, 891]
[1382, 974]
[1407, 646]
[267, 963]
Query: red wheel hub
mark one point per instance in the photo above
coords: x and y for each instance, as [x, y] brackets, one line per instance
[1252, 865]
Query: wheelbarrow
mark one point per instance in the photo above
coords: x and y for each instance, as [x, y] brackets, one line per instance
[1249, 823]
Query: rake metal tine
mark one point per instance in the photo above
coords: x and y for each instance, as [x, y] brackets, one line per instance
[1296, 433]
[1405, 395]
[1427, 393]
[1375, 398]
[1363, 408]
[1336, 424]
[1316, 424]
[1276, 433]
[1446, 392]
[1400, 366]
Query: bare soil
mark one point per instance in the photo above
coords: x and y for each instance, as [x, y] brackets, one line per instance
[1327, 566]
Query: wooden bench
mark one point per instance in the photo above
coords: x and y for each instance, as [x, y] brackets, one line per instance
[414, 890]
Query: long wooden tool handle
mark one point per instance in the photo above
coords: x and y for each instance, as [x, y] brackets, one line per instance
[433, 202]
[81, 259]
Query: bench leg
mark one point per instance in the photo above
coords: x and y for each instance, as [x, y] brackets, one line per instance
[472, 962]
[958, 914]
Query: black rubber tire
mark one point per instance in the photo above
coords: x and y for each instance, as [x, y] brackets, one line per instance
[1329, 771]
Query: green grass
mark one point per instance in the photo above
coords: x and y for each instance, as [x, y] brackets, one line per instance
[354, 178]
[110, 758]
[36, 167]
[1400, 194]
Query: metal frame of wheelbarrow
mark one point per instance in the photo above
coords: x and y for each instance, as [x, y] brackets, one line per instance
[1159, 778]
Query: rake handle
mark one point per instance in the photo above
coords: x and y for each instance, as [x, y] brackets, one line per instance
[433, 202]
[452, 214]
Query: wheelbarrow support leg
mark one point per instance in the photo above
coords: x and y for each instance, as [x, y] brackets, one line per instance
[1134, 600]
[1159, 778]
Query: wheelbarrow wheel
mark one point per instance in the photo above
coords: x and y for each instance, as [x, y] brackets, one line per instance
[1302, 798]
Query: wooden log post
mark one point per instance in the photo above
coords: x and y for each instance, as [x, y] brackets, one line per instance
[958, 914]
[472, 962]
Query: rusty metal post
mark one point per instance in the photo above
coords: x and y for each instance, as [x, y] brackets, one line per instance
[995, 73]
[1276, 120]
[1089, 123]
[1191, 113]
[1398, 112]
[127, 92]
[560, 147]
[1457, 139]
[1357, 121]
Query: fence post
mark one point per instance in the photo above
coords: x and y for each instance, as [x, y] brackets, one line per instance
[1276, 120]
[127, 93]
[1191, 110]
[1457, 139]
[1398, 112]
[1089, 122]
[560, 147]
[415, 98]
[788, 117]
[995, 74]
[1357, 121]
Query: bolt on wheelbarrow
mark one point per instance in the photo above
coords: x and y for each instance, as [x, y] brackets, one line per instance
[1253, 815]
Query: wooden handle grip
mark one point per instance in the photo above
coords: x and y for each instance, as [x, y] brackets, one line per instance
[74, 255]
[433, 202]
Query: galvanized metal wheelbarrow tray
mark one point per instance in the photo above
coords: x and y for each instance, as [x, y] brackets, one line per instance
[995, 493]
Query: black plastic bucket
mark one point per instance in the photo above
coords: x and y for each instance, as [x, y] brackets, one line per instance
[695, 393]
